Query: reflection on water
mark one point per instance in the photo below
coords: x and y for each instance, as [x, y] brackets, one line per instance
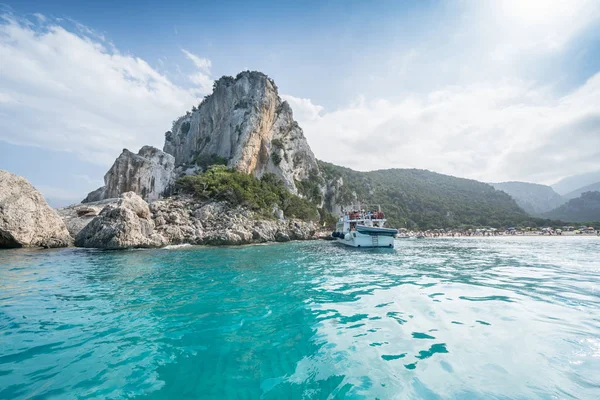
[444, 318]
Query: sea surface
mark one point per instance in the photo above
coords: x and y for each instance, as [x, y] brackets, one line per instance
[464, 318]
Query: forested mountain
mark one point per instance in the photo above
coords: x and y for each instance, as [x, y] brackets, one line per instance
[594, 187]
[575, 182]
[532, 197]
[414, 198]
[585, 208]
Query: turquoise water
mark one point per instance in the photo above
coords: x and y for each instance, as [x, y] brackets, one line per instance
[488, 318]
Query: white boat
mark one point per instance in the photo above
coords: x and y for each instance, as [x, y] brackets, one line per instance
[360, 228]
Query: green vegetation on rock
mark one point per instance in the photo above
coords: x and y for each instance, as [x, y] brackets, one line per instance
[206, 160]
[260, 195]
[276, 158]
[310, 188]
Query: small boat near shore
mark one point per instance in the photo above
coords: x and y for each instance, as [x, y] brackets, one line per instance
[360, 228]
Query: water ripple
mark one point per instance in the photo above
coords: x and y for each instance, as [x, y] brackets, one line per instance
[448, 318]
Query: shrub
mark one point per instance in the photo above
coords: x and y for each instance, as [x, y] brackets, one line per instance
[276, 158]
[185, 127]
[206, 160]
[310, 187]
[260, 195]
[277, 144]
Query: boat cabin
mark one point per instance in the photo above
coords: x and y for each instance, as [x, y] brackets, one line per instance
[360, 215]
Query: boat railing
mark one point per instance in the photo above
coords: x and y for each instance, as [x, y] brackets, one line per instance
[364, 215]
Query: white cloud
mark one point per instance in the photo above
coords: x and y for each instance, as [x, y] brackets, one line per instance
[508, 130]
[201, 78]
[73, 92]
[304, 109]
[40, 17]
[202, 64]
[546, 24]
[202, 81]
[516, 28]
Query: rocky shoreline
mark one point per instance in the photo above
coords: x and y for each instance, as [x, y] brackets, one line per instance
[26, 220]
[130, 222]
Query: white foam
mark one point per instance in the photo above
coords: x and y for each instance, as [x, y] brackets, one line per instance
[176, 246]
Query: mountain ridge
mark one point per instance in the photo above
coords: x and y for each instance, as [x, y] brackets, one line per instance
[575, 182]
[534, 198]
[594, 187]
[585, 208]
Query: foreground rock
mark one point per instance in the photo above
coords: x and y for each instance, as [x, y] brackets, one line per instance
[184, 220]
[26, 220]
[130, 223]
[125, 224]
[149, 173]
[77, 216]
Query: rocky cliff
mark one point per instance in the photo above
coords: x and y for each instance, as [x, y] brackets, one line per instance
[26, 220]
[149, 173]
[245, 123]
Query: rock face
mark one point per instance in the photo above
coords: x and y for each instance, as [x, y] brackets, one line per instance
[245, 122]
[131, 223]
[26, 220]
[184, 220]
[77, 216]
[125, 224]
[149, 173]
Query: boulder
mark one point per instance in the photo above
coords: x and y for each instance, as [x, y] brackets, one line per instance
[26, 220]
[149, 173]
[77, 216]
[125, 224]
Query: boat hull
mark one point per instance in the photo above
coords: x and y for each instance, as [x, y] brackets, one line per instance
[356, 239]
[373, 230]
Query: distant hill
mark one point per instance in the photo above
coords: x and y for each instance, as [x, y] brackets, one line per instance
[535, 199]
[585, 208]
[594, 187]
[415, 198]
[571, 183]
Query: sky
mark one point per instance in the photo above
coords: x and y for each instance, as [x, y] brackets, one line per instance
[489, 90]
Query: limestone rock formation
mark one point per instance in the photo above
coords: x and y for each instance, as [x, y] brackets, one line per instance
[184, 220]
[131, 223]
[77, 216]
[245, 123]
[126, 224]
[26, 220]
[149, 173]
